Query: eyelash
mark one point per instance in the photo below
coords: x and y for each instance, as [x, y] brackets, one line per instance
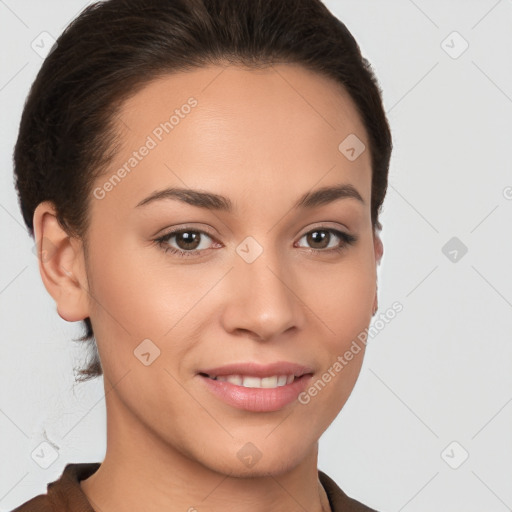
[347, 239]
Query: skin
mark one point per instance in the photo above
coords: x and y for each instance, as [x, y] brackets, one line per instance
[262, 138]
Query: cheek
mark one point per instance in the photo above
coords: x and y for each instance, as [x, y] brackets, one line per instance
[134, 297]
[344, 305]
[345, 311]
[127, 296]
[137, 295]
[342, 295]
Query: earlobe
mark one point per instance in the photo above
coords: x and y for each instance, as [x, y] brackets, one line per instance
[378, 247]
[61, 264]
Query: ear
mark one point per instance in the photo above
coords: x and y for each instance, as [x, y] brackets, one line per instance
[61, 264]
[378, 250]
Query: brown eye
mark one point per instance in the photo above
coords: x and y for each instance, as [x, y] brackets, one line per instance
[320, 239]
[187, 242]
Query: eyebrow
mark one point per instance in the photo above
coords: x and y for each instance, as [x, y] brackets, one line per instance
[211, 201]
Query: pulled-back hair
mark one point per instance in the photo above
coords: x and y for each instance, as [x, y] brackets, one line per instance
[67, 137]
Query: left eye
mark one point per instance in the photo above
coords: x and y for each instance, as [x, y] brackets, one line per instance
[323, 236]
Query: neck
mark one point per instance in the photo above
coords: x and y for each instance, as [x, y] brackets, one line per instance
[143, 472]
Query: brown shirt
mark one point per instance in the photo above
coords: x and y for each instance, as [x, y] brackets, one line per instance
[66, 495]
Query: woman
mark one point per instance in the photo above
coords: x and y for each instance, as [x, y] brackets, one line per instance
[204, 179]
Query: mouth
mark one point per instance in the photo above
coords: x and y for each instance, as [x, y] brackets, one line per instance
[255, 387]
[256, 375]
[248, 381]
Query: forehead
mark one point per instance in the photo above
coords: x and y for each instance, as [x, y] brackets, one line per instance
[277, 95]
[233, 128]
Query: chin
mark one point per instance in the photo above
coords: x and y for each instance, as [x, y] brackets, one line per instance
[249, 462]
[273, 467]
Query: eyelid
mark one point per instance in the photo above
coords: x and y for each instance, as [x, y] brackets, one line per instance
[203, 228]
[327, 225]
[176, 231]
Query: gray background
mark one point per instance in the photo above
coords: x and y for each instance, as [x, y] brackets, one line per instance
[436, 384]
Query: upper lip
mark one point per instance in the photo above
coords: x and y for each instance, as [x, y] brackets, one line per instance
[254, 369]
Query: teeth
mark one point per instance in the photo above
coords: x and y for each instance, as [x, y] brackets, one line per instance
[255, 382]
[234, 379]
[283, 379]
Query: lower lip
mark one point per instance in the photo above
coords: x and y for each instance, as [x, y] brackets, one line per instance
[257, 399]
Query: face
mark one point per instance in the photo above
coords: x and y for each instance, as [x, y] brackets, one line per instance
[178, 285]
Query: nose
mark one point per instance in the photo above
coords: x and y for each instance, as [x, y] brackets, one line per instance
[262, 302]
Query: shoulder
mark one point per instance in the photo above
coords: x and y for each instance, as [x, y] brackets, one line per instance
[65, 493]
[40, 503]
[340, 502]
